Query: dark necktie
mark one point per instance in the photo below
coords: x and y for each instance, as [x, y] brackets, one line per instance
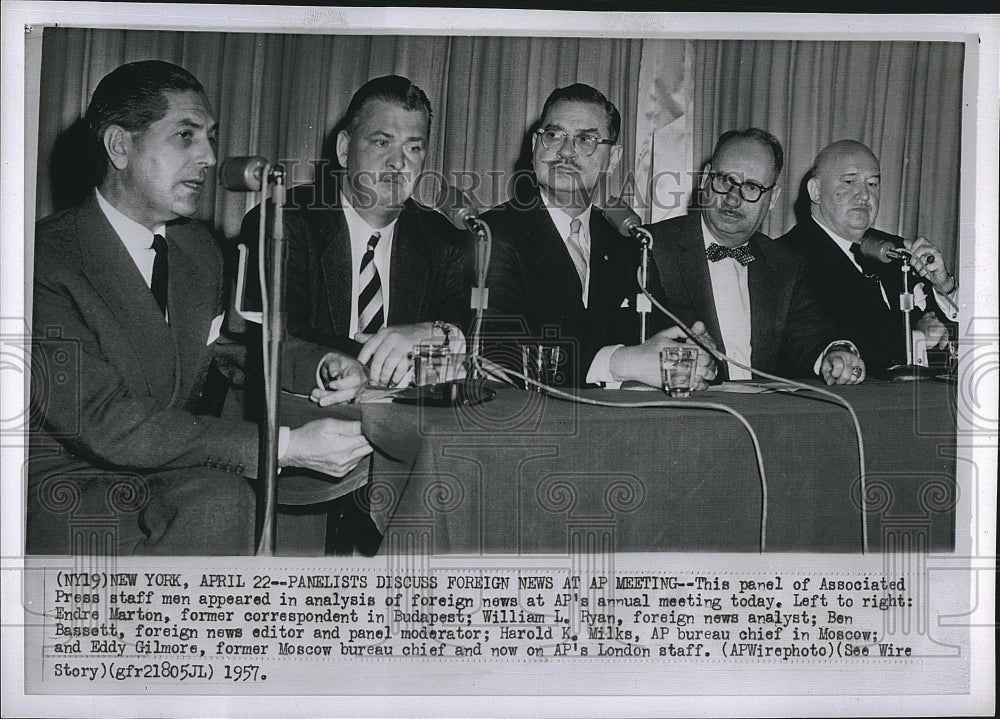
[370, 311]
[741, 254]
[867, 265]
[158, 285]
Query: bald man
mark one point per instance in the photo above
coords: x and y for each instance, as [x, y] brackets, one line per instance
[860, 295]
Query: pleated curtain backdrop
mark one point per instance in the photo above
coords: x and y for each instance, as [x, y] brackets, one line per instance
[280, 95]
[902, 99]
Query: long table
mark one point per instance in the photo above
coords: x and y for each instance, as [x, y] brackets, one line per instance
[526, 473]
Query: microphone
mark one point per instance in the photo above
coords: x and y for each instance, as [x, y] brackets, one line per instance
[881, 250]
[624, 219]
[456, 206]
[242, 174]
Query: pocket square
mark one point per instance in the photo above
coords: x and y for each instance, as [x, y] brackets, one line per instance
[215, 329]
[624, 304]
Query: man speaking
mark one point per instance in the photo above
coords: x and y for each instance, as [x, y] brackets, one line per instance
[128, 308]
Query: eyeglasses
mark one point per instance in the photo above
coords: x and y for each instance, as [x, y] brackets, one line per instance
[584, 144]
[749, 191]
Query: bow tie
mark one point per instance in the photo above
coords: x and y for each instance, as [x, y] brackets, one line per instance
[741, 254]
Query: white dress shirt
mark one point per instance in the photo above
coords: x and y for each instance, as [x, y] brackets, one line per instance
[731, 290]
[360, 232]
[138, 240]
[562, 222]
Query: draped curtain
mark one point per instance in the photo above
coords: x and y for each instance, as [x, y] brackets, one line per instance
[901, 99]
[280, 95]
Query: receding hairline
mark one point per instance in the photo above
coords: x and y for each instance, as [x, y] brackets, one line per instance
[841, 149]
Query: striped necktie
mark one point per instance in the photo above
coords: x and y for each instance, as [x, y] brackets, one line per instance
[576, 250]
[370, 312]
[158, 284]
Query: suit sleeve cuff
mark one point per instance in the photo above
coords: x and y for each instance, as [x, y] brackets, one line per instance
[838, 345]
[600, 368]
[948, 309]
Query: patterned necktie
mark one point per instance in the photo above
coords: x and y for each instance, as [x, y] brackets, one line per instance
[159, 282]
[741, 254]
[576, 250]
[370, 312]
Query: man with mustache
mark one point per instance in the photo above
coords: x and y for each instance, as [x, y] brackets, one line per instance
[560, 268]
[128, 303]
[860, 295]
[370, 271]
[750, 291]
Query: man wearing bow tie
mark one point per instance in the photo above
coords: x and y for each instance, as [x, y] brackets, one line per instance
[558, 264]
[750, 292]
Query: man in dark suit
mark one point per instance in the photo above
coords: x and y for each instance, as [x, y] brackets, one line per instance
[128, 303]
[559, 269]
[749, 291]
[370, 271]
[861, 295]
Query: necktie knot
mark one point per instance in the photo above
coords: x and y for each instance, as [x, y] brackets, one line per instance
[741, 254]
[373, 241]
[574, 226]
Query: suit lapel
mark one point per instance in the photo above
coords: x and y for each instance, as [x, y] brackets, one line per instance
[546, 249]
[692, 266]
[763, 284]
[193, 304]
[409, 271]
[114, 276]
[337, 267]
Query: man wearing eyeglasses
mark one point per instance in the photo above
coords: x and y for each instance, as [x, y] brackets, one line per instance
[751, 293]
[559, 267]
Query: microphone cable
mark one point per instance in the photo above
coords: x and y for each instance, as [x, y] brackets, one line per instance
[716, 406]
[719, 356]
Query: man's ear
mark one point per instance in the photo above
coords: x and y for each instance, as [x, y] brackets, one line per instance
[775, 194]
[343, 141]
[118, 144]
[703, 182]
[614, 158]
[813, 187]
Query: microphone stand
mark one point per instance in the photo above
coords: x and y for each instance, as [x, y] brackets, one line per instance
[642, 304]
[909, 371]
[273, 332]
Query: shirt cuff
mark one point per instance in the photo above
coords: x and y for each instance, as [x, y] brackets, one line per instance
[600, 368]
[283, 439]
[845, 344]
[949, 309]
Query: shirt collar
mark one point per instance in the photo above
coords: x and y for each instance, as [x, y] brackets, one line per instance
[132, 234]
[709, 239]
[562, 220]
[844, 245]
[359, 227]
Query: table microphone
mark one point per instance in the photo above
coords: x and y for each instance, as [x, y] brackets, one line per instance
[242, 174]
[624, 219]
[629, 224]
[456, 206]
[882, 250]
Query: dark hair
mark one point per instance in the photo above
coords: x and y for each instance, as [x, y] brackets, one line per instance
[131, 96]
[390, 88]
[756, 134]
[579, 92]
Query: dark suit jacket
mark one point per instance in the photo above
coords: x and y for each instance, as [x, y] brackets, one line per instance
[787, 330]
[534, 286]
[429, 272]
[114, 386]
[851, 300]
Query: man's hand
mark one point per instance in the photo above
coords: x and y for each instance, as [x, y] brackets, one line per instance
[928, 261]
[933, 329]
[341, 379]
[642, 362]
[842, 367]
[330, 446]
[387, 352]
